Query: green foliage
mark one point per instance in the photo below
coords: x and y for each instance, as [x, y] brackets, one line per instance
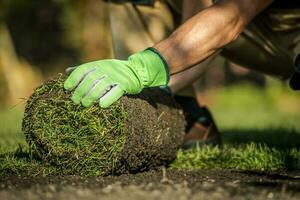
[279, 138]
[10, 129]
[247, 107]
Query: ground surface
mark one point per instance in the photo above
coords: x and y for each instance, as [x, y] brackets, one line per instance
[175, 184]
[260, 158]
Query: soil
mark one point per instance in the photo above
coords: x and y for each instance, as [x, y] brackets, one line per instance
[157, 184]
[155, 131]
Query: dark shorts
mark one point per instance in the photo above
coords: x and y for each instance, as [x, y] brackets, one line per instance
[269, 44]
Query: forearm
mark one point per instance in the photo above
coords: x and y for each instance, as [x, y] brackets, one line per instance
[208, 31]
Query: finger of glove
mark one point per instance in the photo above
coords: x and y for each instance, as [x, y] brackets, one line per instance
[111, 96]
[96, 92]
[86, 85]
[77, 76]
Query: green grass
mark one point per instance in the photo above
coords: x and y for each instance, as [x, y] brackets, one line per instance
[247, 107]
[10, 128]
[260, 128]
[244, 157]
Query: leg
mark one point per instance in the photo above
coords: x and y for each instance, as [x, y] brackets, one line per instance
[270, 44]
[259, 48]
[135, 27]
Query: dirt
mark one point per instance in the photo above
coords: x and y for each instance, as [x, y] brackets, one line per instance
[157, 184]
[155, 131]
[137, 133]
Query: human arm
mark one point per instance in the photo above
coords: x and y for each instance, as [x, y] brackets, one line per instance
[207, 32]
[199, 37]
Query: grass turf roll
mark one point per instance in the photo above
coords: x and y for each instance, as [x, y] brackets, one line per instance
[137, 133]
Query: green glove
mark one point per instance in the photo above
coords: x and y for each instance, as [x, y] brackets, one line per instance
[106, 81]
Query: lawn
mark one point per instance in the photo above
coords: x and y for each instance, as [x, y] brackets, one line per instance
[260, 129]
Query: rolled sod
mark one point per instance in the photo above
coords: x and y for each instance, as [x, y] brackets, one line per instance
[137, 133]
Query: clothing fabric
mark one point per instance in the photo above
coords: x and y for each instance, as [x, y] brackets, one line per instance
[270, 43]
[135, 27]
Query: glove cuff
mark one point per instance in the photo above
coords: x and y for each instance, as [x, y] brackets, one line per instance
[151, 67]
[166, 66]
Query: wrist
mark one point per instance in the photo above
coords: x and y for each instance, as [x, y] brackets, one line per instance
[159, 61]
[151, 67]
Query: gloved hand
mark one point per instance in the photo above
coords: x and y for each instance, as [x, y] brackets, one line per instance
[106, 81]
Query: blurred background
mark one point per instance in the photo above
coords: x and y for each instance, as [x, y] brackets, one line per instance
[39, 39]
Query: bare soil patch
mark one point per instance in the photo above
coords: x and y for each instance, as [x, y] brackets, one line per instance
[157, 184]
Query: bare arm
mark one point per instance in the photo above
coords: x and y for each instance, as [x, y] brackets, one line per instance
[207, 32]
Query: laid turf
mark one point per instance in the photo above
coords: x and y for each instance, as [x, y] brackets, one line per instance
[243, 157]
[260, 129]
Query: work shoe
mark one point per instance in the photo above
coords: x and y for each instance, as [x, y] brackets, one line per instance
[295, 79]
[202, 133]
[201, 129]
